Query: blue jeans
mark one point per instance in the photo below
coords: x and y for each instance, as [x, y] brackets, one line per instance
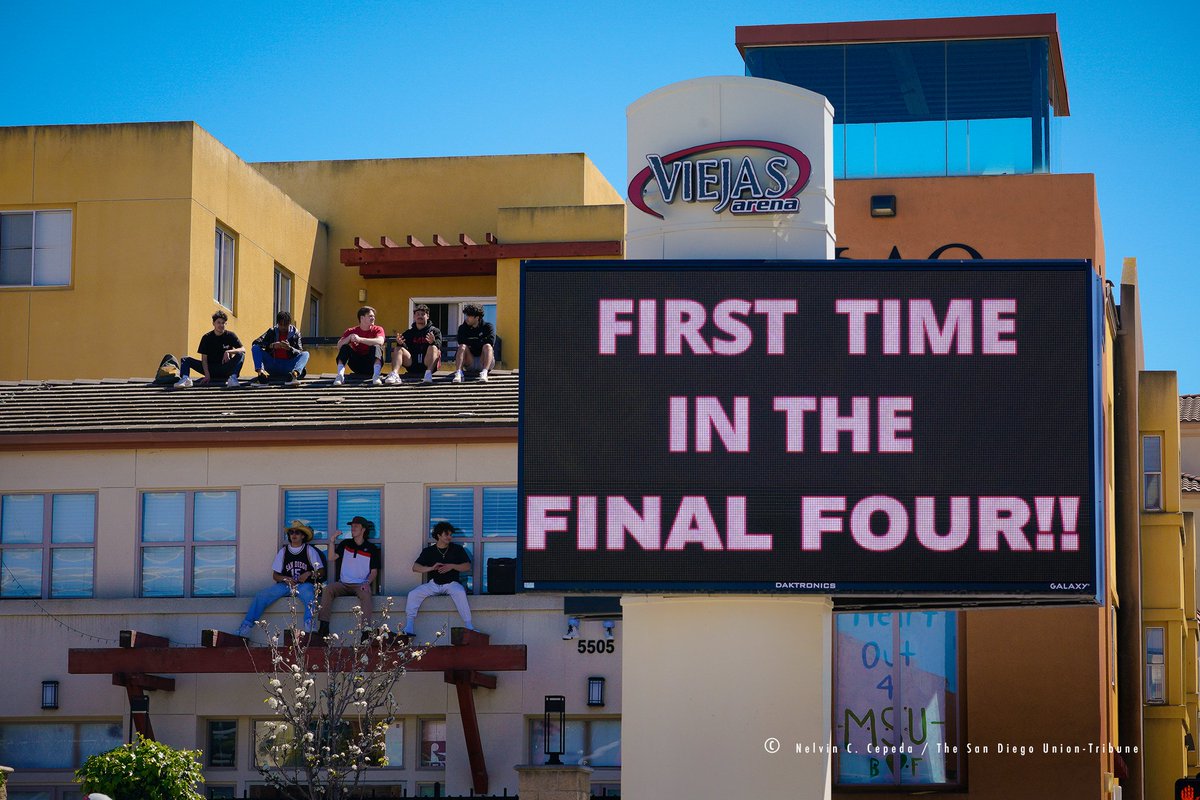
[278, 366]
[219, 371]
[278, 591]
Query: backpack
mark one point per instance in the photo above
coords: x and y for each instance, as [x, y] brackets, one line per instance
[168, 371]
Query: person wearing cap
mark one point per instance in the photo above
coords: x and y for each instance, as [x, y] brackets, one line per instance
[355, 564]
[476, 344]
[443, 561]
[420, 345]
[298, 565]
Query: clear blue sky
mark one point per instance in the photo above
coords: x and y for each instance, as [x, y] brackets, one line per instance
[307, 80]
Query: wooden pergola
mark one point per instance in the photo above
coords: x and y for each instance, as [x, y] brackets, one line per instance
[443, 258]
[136, 664]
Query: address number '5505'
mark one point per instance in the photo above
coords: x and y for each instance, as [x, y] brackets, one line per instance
[597, 646]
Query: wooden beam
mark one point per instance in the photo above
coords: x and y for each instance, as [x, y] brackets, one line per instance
[413, 241]
[143, 681]
[140, 719]
[481, 680]
[438, 241]
[466, 240]
[386, 242]
[352, 257]
[208, 660]
[210, 637]
[470, 723]
[438, 269]
[362, 244]
[490, 238]
[140, 639]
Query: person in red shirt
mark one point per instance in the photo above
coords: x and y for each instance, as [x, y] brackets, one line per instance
[361, 348]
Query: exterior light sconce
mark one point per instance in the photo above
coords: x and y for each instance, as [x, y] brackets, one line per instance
[50, 694]
[362, 295]
[595, 691]
[883, 205]
[554, 745]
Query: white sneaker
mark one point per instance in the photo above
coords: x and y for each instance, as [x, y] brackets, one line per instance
[392, 379]
[458, 376]
[184, 382]
[483, 376]
[232, 383]
[377, 381]
[338, 380]
[428, 376]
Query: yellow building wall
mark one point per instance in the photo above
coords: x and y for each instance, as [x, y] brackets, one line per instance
[1168, 593]
[145, 199]
[517, 198]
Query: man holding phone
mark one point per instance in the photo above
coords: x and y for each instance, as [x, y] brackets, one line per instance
[279, 352]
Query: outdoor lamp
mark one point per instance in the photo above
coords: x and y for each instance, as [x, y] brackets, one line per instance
[555, 746]
[595, 691]
[883, 205]
[49, 694]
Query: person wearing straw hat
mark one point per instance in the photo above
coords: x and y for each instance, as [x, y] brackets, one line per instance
[298, 565]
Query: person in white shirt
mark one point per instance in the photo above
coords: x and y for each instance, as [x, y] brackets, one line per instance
[355, 564]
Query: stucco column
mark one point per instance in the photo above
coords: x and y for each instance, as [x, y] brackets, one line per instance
[726, 696]
[560, 782]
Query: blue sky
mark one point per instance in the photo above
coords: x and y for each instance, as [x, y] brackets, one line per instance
[305, 80]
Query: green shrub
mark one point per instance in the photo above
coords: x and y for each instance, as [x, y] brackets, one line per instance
[143, 770]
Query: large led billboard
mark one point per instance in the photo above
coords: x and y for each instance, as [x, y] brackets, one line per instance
[871, 429]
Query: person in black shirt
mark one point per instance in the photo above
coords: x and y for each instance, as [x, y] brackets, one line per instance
[419, 345]
[443, 561]
[221, 356]
[476, 344]
[297, 566]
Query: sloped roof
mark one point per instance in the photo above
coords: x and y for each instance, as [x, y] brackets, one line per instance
[42, 414]
[1191, 483]
[1189, 408]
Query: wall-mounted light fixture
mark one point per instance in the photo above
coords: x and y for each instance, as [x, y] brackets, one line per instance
[595, 691]
[362, 295]
[49, 694]
[883, 205]
[554, 744]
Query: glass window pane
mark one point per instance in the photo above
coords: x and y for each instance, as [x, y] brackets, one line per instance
[1153, 492]
[53, 229]
[71, 572]
[73, 518]
[37, 745]
[162, 516]
[500, 511]
[222, 743]
[162, 572]
[456, 506]
[16, 230]
[227, 268]
[52, 267]
[605, 743]
[17, 793]
[394, 745]
[98, 737]
[20, 572]
[214, 518]
[359, 502]
[274, 747]
[489, 312]
[213, 571]
[217, 268]
[16, 267]
[21, 519]
[496, 550]
[433, 743]
[1152, 453]
[928, 688]
[310, 506]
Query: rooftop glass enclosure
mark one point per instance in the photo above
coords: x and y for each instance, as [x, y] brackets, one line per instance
[968, 107]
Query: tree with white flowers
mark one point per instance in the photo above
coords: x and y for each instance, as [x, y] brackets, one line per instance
[333, 704]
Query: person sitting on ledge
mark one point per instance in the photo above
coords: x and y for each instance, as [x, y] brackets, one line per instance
[443, 561]
[356, 566]
[298, 565]
[221, 356]
[361, 348]
[279, 352]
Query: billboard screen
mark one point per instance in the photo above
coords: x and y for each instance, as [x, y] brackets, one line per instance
[914, 429]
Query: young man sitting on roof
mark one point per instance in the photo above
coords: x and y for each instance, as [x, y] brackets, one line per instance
[221, 356]
[476, 344]
[279, 352]
[420, 345]
[361, 348]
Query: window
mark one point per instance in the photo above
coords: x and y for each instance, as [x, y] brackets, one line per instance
[495, 535]
[1156, 666]
[44, 792]
[446, 312]
[1152, 499]
[56, 745]
[280, 749]
[223, 268]
[47, 543]
[393, 745]
[326, 510]
[222, 743]
[314, 314]
[896, 682]
[283, 290]
[590, 742]
[433, 743]
[219, 792]
[35, 248]
[188, 544]
[435, 789]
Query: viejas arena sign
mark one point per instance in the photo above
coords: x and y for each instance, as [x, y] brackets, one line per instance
[745, 176]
